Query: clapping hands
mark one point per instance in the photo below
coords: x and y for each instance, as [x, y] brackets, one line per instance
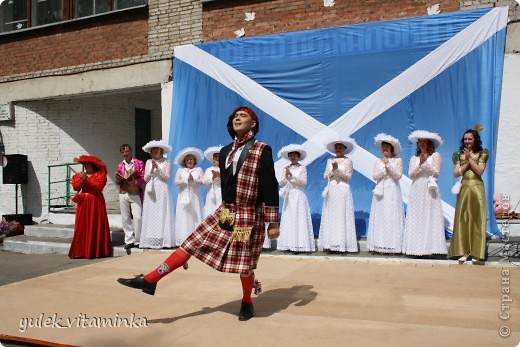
[287, 173]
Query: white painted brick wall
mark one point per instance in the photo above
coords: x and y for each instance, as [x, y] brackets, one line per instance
[507, 166]
[55, 131]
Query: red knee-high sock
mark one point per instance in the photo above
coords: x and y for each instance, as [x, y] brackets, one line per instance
[175, 260]
[247, 286]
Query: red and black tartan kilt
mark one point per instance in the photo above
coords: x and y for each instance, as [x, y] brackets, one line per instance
[212, 245]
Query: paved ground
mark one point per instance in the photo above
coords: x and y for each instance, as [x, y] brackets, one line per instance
[16, 267]
[307, 301]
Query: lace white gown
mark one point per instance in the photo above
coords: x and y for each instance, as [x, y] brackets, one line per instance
[386, 225]
[214, 195]
[157, 229]
[424, 230]
[337, 228]
[189, 203]
[296, 224]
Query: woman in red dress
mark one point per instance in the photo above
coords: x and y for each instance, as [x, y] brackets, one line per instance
[91, 230]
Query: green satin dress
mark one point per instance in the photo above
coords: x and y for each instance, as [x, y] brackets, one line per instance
[469, 230]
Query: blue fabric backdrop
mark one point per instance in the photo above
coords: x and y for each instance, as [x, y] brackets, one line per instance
[326, 72]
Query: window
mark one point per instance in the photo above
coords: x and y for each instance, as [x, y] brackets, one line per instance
[91, 7]
[46, 12]
[13, 15]
[121, 4]
[22, 14]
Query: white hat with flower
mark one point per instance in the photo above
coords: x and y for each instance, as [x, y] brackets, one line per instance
[197, 153]
[423, 134]
[348, 142]
[208, 153]
[157, 144]
[382, 137]
[284, 152]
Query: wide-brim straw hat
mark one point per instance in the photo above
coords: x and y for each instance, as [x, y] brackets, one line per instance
[98, 163]
[423, 134]
[284, 152]
[348, 142]
[157, 144]
[382, 137]
[197, 153]
[208, 153]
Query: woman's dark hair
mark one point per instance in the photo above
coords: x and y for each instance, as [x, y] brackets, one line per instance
[299, 155]
[431, 148]
[477, 146]
[391, 146]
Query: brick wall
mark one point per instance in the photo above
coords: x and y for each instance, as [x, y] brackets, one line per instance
[75, 43]
[112, 40]
[222, 18]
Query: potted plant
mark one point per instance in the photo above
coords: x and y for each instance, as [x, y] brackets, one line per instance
[10, 228]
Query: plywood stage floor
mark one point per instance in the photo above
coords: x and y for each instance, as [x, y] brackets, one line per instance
[307, 301]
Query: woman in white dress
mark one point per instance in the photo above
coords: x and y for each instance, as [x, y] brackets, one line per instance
[157, 229]
[386, 225]
[424, 230]
[296, 224]
[211, 179]
[337, 228]
[189, 201]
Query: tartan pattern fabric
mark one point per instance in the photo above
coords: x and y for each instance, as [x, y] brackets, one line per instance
[271, 214]
[213, 246]
[247, 180]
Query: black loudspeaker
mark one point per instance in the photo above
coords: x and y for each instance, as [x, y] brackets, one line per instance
[16, 170]
[25, 218]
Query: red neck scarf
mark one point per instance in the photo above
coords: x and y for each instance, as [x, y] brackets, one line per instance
[237, 144]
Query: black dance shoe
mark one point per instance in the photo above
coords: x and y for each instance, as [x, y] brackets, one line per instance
[129, 245]
[246, 311]
[138, 282]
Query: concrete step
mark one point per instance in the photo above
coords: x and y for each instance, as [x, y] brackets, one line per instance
[50, 230]
[59, 245]
[41, 239]
[56, 238]
[509, 248]
[511, 226]
[63, 231]
[362, 245]
[69, 217]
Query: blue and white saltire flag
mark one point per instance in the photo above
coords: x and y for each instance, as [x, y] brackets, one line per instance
[438, 73]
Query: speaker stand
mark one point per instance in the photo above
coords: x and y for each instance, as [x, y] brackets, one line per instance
[16, 198]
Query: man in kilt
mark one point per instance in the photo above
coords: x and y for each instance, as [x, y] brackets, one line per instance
[230, 239]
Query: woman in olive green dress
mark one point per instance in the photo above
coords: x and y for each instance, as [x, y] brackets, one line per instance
[469, 232]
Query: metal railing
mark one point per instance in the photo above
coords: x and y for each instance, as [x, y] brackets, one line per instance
[61, 188]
